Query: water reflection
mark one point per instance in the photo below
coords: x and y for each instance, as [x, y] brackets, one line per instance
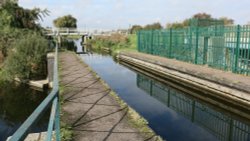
[17, 102]
[83, 48]
[223, 127]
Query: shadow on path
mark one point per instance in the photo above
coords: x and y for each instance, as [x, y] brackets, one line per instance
[91, 112]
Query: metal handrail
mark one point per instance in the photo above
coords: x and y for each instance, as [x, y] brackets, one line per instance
[51, 99]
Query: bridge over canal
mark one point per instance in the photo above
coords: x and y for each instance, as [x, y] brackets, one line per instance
[80, 32]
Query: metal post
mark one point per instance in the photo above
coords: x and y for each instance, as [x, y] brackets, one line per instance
[138, 41]
[158, 42]
[170, 44]
[190, 43]
[57, 121]
[52, 119]
[152, 40]
[196, 46]
[237, 49]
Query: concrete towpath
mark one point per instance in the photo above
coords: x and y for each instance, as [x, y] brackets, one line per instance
[90, 110]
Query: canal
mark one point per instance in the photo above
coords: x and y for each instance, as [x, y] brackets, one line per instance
[171, 113]
[17, 102]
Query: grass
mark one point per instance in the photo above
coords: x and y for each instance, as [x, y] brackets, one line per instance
[116, 43]
[65, 129]
[132, 41]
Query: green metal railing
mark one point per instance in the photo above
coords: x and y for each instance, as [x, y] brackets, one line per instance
[222, 47]
[52, 100]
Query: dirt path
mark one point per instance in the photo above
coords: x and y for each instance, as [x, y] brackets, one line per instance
[89, 109]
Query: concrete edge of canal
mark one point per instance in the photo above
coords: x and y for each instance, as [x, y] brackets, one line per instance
[212, 92]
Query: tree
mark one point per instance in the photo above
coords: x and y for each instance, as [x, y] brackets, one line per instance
[227, 21]
[14, 22]
[15, 16]
[22, 47]
[201, 19]
[153, 26]
[175, 25]
[202, 16]
[67, 21]
[135, 28]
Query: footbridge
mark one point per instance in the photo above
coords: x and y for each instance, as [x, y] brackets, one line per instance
[65, 31]
[79, 32]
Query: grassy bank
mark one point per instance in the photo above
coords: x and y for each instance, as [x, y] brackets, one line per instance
[115, 42]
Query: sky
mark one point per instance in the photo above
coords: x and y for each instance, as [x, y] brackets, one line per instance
[115, 14]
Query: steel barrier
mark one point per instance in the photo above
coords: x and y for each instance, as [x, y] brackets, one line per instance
[222, 47]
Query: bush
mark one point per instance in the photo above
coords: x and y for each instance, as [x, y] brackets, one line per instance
[7, 38]
[27, 58]
[114, 41]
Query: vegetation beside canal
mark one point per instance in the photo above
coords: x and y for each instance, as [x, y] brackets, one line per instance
[115, 42]
[23, 48]
[65, 129]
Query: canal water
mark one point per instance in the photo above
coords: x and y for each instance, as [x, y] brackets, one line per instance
[17, 102]
[171, 113]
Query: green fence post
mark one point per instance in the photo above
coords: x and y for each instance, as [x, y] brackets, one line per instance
[152, 40]
[190, 44]
[158, 42]
[170, 44]
[237, 50]
[138, 41]
[196, 46]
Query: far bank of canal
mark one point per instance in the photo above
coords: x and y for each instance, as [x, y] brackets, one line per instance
[171, 113]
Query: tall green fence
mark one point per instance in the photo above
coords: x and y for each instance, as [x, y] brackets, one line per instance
[222, 47]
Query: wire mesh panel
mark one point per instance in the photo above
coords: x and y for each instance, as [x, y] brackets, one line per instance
[182, 48]
[243, 65]
[221, 47]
